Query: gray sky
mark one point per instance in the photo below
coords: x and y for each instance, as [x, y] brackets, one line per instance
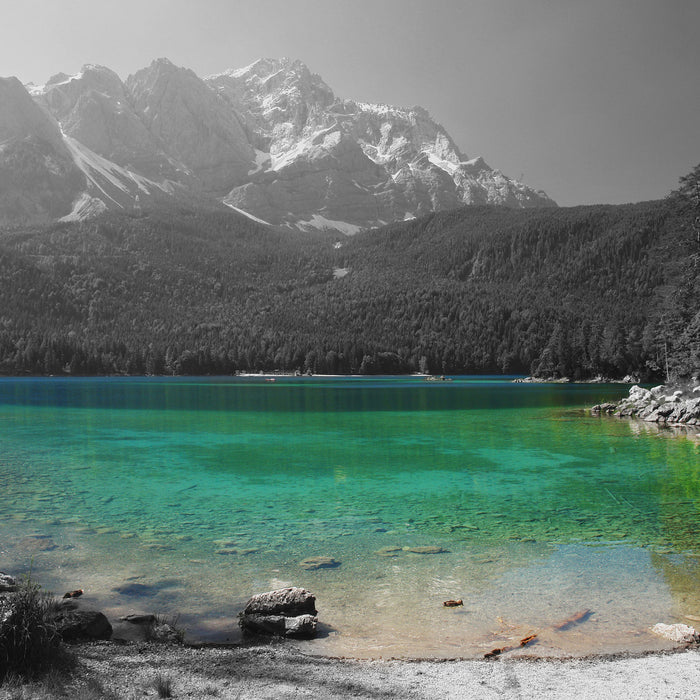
[591, 100]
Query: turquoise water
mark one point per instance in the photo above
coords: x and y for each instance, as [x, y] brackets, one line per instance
[188, 495]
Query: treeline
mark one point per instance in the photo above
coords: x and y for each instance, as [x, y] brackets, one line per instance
[577, 292]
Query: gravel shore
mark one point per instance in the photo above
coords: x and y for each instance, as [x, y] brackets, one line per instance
[130, 671]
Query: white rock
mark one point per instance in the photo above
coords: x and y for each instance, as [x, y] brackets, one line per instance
[637, 393]
[676, 633]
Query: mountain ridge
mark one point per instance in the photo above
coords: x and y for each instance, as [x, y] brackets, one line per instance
[270, 140]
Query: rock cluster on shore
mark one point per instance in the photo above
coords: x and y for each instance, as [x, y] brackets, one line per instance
[671, 405]
[75, 619]
[285, 612]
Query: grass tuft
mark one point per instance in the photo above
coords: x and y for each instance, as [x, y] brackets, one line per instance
[166, 629]
[29, 638]
[163, 685]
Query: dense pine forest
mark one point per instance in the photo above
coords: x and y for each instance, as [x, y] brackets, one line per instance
[574, 292]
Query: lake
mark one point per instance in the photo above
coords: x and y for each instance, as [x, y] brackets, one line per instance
[187, 495]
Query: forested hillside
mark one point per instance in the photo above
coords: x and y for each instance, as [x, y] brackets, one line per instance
[574, 292]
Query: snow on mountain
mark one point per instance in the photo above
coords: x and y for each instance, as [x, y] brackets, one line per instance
[271, 141]
[117, 184]
[340, 160]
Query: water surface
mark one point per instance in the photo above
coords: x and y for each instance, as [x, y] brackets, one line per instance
[188, 495]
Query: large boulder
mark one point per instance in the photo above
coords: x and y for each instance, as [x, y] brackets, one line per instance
[285, 612]
[283, 601]
[77, 620]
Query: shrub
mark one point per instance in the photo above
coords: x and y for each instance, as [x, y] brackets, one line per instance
[29, 639]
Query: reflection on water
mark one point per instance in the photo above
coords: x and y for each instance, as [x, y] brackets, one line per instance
[188, 496]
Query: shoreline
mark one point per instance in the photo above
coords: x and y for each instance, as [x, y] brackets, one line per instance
[275, 671]
[515, 655]
[141, 623]
[283, 374]
[666, 406]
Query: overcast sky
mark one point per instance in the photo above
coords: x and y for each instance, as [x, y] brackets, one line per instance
[591, 100]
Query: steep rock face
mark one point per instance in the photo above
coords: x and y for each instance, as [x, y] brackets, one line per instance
[329, 182]
[192, 124]
[123, 164]
[322, 161]
[112, 161]
[38, 177]
[280, 101]
[95, 108]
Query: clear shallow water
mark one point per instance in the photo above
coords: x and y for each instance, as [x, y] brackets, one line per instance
[186, 496]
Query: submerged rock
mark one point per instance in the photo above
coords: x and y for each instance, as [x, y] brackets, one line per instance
[38, 543]
[233, 550]
[427, 549]
[285, 612]
[313, 563]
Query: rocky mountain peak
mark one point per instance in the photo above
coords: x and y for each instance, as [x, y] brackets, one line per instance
[192, 124]
[58, 78]
[37, 174]
[160, 69]
[20, 116]
[274, 93]
[62, 92]
[271, 140]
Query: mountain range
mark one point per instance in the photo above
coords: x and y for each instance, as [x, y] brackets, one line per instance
[271, 141]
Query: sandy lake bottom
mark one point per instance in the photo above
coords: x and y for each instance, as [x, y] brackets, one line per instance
[187, 496]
